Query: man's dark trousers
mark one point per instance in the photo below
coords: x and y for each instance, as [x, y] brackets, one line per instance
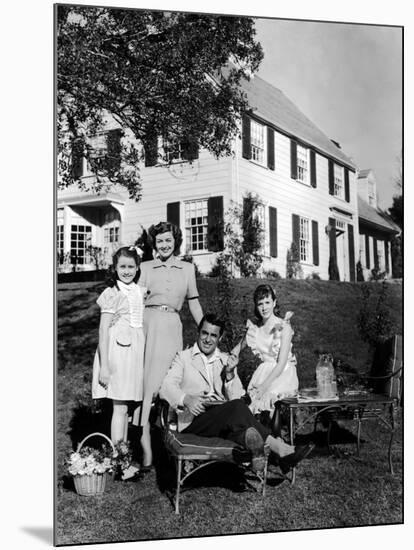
[229, 420]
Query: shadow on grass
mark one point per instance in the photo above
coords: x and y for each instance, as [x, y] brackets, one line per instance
[90, 418]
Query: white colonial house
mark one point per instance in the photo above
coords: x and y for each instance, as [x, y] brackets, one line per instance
[376, 228]
[306, 182]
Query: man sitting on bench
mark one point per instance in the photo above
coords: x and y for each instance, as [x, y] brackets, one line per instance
[202, 375]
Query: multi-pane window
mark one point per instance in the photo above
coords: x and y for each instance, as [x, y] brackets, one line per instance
[111, 235]
[60, 243]
[362, 250]
[257, 142]
[381, 255]
[80, 240]
[338, 181]
[196, 225]
[302, 164]
[111, 231]
[170, 150]
[98, 144]
[304, 240]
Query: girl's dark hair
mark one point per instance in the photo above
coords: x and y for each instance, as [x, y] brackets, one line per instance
[128, 252]
[164, 227]
[264, 291]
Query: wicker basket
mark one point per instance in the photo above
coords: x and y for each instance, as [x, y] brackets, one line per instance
[91, 484]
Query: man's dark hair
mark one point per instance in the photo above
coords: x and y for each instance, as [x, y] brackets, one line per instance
[213, 319]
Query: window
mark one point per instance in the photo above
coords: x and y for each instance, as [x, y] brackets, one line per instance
[196, 225]
[98, 145]
[302, 164]
[170, 150]
[60, 244]
[111, 226]
[111, 235]
[338, 181]
[362, 250]
[80, 240]
[304, 242]
[257, 142]
[381, 255]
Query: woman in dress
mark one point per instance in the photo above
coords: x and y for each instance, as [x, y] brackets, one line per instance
[169, 281]
[270, 339]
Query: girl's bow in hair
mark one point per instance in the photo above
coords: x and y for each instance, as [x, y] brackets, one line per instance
[137, 250]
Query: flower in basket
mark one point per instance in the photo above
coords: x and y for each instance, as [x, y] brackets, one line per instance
[122, 456]
[88, 461]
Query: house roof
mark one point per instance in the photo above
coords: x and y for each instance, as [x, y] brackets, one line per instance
[272, 105]
[375, 216]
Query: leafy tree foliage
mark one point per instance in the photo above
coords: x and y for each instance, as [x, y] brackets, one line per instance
[175, 75]
[396, 210]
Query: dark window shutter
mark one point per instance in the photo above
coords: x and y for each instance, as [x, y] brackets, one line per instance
[313, 168]
[387, 262]
[77, 158]
[332, 239]
[295, 230]
[331, 176]
[113, 140]
[190, 150]
[246, 149]
[351, 252]
[293, 159]
[151, 150]
[367, 262]
[270, 148]
[215, 234]
[375, 253]
[273, 231]
[315, 242]
[173, 213]
[347, 196]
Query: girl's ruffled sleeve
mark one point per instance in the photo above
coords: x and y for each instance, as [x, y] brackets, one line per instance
[107, 300]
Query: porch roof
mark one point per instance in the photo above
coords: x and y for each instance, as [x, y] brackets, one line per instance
[91, 199]
[375, 216]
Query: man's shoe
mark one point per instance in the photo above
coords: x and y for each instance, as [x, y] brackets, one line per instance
[254, 442]
[290, 461]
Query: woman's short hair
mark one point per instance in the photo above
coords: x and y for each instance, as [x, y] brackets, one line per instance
[164, 227]
[128, 252]
[264, 291]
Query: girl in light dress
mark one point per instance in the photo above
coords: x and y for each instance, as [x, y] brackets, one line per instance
[119, 360]
[271, 339]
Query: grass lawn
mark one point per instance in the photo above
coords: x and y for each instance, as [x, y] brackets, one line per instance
[331, 490]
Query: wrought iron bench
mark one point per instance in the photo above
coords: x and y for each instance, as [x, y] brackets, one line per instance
[192, 453]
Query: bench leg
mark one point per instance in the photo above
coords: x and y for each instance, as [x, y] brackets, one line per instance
[359, 437]
[178, 487]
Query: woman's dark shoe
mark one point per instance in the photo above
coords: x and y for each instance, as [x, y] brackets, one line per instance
[146, 469]
[288, 462]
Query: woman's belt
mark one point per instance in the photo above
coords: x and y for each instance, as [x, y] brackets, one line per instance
[166, 309]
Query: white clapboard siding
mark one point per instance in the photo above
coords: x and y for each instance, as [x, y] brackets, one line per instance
[288, 196]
